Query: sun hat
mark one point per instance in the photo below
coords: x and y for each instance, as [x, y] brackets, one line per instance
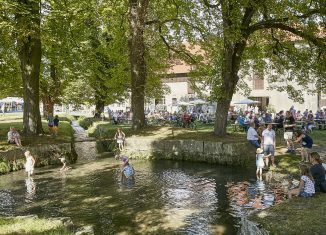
[125, 159]
[259, 150]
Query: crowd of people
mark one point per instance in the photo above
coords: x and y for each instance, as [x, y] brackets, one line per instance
[307, 120]
[312, 179]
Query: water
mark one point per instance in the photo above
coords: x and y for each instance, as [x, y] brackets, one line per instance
[166, 198]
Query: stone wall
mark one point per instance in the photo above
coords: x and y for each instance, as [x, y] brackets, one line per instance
[190, 150]
[44, 155]
[248, 227]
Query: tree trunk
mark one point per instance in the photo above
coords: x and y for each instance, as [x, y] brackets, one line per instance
[137, 15]
[99, 108]
[48, 106]
[29, 44]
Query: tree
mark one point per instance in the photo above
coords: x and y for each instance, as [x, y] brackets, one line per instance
[258, 27]
[137, 18]
[29, 52]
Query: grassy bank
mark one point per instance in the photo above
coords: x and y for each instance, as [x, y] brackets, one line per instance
[296, 216]
[32, 225]
[202, 132]
[65, 133]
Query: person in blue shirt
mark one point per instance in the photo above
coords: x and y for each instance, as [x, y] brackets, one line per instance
[127, 172]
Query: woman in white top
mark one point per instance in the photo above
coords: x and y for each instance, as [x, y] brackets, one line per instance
[306, 186]
[120, 137]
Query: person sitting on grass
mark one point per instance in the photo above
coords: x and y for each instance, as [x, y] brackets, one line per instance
[306, 143]
[14, 137]
[306, 186]
[252, 135]
[318, 172]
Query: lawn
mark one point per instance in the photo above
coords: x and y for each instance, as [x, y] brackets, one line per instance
[103, 130]
[65, 133]
[32, 225]
[296, 216]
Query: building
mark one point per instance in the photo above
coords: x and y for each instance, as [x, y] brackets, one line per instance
[178, 81]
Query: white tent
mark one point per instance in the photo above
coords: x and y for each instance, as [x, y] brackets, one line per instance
[10, 100]
[247, 101]
[182, 103]
[198, 101]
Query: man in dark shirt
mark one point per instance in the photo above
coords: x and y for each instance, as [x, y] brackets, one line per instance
[289, 125]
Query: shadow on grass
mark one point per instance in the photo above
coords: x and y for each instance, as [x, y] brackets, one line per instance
[65, 134]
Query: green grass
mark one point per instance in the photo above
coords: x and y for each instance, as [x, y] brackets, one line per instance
[319, 137]
[202, 132]
[65, 133]
[32, 225]
[297, 216]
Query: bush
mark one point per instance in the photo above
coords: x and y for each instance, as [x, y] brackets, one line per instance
[67, 118]
[4, 167]
[86, 122]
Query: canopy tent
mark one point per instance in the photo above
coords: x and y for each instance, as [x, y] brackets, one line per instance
[198, 101]
[247, 101]
[182, 103]
[10, 104]
[9, 100]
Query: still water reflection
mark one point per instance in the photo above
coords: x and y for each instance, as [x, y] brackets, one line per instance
[166, 198]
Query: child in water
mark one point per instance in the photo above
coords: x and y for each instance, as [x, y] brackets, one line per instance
[128, 171]
[30, 162]
[64, 164]
[259, 162]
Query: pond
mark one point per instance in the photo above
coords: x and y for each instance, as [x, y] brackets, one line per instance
[167, 197]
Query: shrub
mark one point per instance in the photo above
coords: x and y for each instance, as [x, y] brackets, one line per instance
[4, 167]
[86, 122]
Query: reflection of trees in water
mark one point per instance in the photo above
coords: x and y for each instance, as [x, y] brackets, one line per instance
[30, 189]
[245, 196]
[7, 202]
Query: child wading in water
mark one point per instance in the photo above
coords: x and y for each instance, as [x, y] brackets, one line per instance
[30, 162]
[64, 164]
[128, 171]
[306, 186]
[259, 162]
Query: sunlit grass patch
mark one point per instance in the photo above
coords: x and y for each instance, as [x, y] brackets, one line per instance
[32, 225]
[202, 132]
[296, 216]
[65, 133]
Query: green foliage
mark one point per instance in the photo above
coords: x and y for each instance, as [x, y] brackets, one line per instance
[86, 122]
[4, 166]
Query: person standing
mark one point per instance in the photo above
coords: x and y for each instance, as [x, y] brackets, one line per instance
[252, 136]
[30, 162]
[269, 144]
[259, 162]
[120, 137]
[289, 125]
[56, 125]
[50, 123]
